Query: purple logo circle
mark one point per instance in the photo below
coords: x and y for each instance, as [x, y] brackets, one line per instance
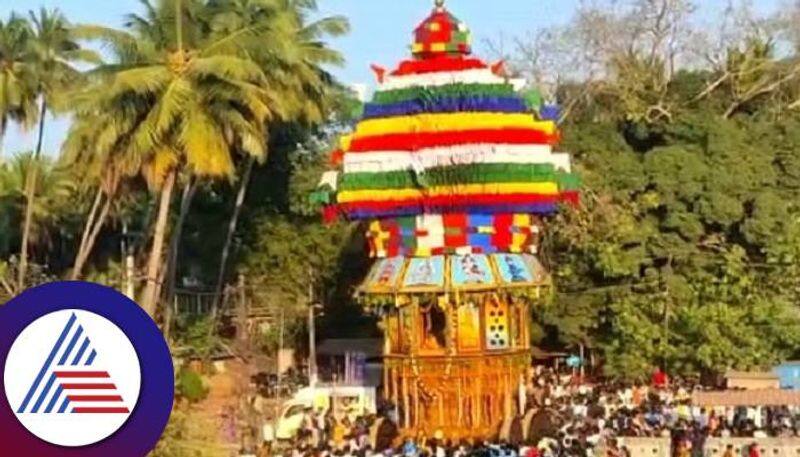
[86, 372]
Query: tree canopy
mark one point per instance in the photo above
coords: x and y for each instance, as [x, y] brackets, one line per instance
[683, 252]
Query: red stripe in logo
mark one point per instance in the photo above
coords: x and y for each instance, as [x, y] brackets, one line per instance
[81, 374]
[89, 386]
[94, 398]
[100, 410]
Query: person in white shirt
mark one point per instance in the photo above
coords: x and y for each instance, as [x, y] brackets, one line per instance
[268, 433]
[579, 408]
[626, 396]
[558, 392]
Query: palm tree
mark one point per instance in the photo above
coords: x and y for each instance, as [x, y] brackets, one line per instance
[193, 87]
[17, 75]
[293, 61]
[54, 50]
[55, 187]
[175, 102]
[101, 178]
[55, 53]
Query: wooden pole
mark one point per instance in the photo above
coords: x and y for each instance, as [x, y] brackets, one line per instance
[395, 393]
[479, 395]
[508, 406]
[460, 397]
[526, 318]
[482, 326]
[475, 401]
[416, 402]
[406, 404]
[415, 327]
[492, 387]
[386, 382]
[402, 341]
[470, 412]
[502, 400]
[513, 324]
[395, 387]
[441, 409]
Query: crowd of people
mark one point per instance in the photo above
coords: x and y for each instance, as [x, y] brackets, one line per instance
[563, 418]
[584, 418]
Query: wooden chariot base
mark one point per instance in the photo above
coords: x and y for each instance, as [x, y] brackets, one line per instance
[461, 396]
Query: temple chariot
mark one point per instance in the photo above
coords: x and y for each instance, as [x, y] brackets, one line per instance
[452, 172]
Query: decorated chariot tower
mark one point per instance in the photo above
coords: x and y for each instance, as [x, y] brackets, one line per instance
[452, 172]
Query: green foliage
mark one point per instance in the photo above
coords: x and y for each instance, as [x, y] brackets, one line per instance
[55, 187]
[194, 87]
[192, 95]
[641, 87]
[287, 250]
[190, 386]
[17, 74]
[54, 51]
[290, 250]
[308, 252]
[683, 253]
[198, 337]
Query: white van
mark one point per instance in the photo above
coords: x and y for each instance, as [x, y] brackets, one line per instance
[342, 401]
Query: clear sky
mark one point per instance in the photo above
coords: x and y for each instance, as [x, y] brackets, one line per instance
[381, 31]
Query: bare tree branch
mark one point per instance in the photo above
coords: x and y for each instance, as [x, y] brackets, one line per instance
[762, 89]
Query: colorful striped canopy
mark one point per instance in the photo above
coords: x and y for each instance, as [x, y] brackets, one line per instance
[447, 138]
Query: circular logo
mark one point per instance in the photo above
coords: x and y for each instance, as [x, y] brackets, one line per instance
[72, 378]
[86, 372]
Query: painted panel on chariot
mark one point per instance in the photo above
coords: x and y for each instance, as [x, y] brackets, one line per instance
[469, 327]
[513, 269]
[425, 272]
[471, 270]
[496, 321]
[386, 272]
